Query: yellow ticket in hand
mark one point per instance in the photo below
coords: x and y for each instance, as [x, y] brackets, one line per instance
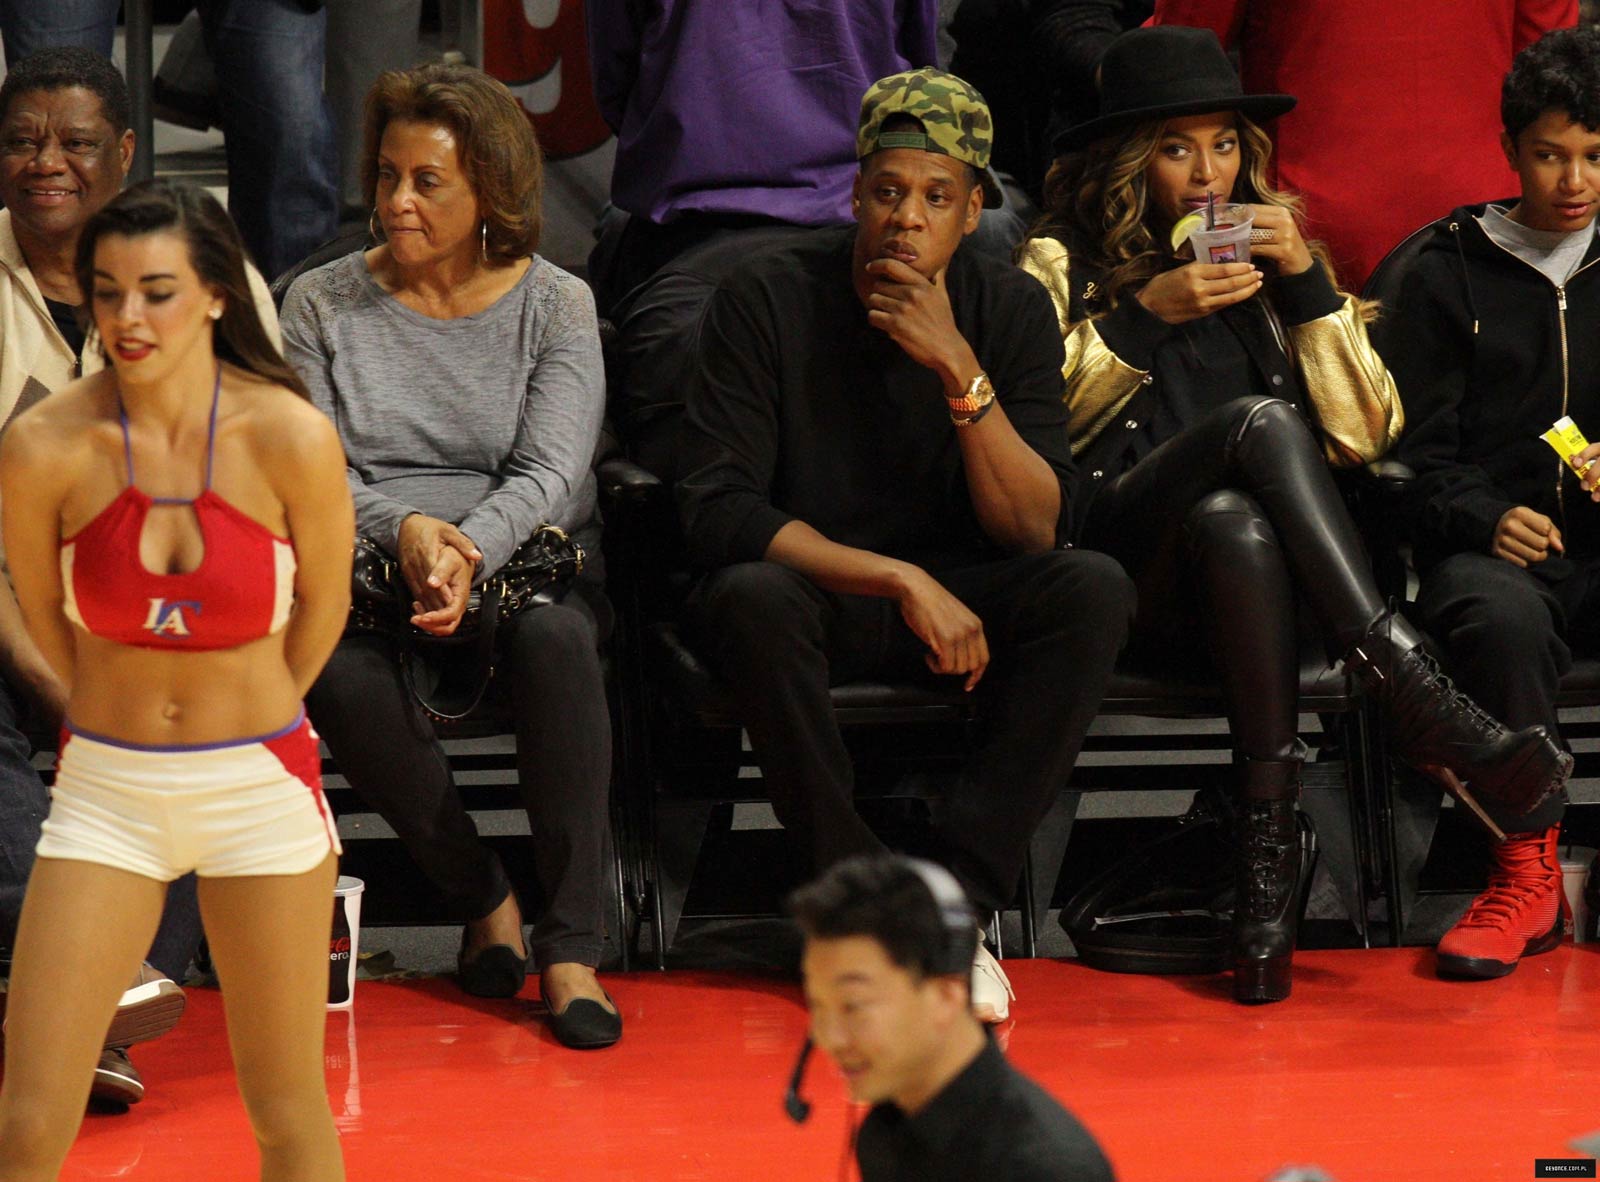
[1568, 441]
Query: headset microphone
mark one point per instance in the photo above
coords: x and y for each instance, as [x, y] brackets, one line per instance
[794, 1104]
[959, 924]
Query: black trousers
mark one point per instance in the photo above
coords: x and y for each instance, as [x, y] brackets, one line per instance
[1509, 635]
[387, 749]
[1226, 528]
[1054, 623]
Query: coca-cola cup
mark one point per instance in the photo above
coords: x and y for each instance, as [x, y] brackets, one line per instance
[1575, 862]
[344, 942]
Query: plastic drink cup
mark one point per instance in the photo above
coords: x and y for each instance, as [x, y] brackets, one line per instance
[1575, 860]
[1229, 242]
[344, 942]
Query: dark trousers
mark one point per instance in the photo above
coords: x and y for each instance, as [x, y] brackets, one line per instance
[1054, 622]
[24, 802]
[1509, 635]
[387, 749]
[1225, 529]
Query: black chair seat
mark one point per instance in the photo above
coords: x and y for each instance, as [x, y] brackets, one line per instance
[1167, 692]
[1139, 688]
[1581, 686]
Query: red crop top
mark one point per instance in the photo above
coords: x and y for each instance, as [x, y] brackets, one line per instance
[242, 590]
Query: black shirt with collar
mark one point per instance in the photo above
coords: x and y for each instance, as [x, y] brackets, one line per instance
[992, 1123]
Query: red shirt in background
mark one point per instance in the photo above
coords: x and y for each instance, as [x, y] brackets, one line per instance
[1399, 114]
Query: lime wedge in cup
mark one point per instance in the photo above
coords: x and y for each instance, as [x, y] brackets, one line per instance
[1185, 226]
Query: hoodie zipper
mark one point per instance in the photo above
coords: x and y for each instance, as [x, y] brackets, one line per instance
[1561, 320]
[1561, 325]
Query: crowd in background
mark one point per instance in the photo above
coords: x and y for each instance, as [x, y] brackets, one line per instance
[904, 311]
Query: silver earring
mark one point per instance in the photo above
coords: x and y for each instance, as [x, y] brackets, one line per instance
[215, 313]
[372, 225]
[485, 240]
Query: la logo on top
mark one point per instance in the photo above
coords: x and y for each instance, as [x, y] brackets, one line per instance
[166, 616]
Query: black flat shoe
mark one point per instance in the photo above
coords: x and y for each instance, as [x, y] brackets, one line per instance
[585, 1025]
[498, 971]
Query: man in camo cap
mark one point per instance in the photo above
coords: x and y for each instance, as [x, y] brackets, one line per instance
[954, 122]
[873, 474]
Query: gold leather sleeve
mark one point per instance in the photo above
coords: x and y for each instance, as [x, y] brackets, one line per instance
[1098, 383]
[1355, 396]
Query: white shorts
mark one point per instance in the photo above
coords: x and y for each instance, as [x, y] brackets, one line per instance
[249, 806]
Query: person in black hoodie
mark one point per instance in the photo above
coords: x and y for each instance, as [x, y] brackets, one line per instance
[1491, 340]
[1206, 401]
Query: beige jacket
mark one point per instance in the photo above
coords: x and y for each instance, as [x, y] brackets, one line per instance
[34, 357]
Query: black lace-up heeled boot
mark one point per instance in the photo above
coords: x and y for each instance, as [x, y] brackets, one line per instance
[1267, 908]
[1442, 732]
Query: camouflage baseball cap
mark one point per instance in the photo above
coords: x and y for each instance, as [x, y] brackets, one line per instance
[955, 121]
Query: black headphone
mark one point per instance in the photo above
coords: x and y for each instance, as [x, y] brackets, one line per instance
[960, 944]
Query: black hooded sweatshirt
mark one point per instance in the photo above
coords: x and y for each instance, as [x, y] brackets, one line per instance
[1487, 353]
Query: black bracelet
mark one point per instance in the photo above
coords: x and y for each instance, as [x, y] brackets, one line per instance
[981, 411]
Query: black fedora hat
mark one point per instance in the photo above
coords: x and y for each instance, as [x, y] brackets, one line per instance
[1162, 73]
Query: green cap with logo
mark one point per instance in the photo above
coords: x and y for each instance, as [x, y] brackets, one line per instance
[955, 121]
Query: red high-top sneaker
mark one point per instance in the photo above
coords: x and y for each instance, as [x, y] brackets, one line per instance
[1523, 911]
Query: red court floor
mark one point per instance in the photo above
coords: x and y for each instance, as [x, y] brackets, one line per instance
[1374, 1070]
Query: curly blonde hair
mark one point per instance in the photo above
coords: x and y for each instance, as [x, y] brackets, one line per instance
[1097, 201]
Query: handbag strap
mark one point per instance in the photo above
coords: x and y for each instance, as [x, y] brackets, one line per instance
[455, 697]
[462, 687]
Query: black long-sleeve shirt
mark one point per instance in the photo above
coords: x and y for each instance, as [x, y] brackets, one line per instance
[990, 1122]
[804, 411]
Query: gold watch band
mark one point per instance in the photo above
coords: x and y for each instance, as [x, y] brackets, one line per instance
[978, 394]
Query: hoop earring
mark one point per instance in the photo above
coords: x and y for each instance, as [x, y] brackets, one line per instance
[372, 225]
[485, 240]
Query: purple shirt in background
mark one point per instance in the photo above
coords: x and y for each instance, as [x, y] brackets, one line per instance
[746, 106]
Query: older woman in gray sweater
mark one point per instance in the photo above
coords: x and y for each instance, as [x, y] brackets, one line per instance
[464, 375]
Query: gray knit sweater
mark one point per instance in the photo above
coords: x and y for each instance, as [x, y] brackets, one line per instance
[489, 420]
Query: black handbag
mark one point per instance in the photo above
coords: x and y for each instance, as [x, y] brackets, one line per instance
[448, 675]
[1167, 906]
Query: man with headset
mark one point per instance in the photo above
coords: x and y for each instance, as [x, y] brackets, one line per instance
[888, 949]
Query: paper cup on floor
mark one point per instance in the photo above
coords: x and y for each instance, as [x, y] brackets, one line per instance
[1575, 860]
[344, 942]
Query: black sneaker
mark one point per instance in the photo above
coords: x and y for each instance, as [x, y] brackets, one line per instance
[116, 1084]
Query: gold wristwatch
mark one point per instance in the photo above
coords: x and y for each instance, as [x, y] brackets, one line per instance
[974, 401]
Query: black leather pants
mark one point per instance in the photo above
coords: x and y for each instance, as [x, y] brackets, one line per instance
[1225, 529]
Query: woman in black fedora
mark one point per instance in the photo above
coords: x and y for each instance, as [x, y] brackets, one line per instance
[1207, 402]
